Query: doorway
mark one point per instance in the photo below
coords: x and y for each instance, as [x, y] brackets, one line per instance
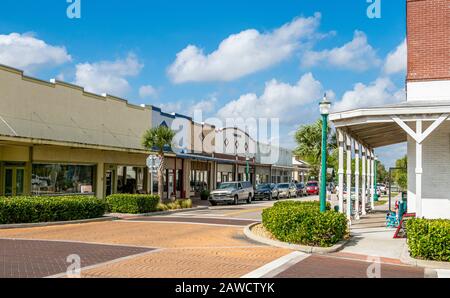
[14, 181]
[110, 177]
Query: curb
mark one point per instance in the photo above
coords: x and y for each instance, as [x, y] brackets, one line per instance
[407, 259]
[157, 213]
[55, 223]
[303, 248]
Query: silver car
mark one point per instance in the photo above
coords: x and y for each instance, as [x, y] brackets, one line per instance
[232, 192]
[286, 190]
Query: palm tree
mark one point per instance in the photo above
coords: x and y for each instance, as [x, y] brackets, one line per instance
[156, 139]
[309, 145]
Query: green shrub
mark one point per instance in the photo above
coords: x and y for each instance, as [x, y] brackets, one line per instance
[173, 206]
[429, 239]
[185, 203]
[303, 223]
[132, 203]
[49, 209]
[162, 207]
[305, 204]
[178, 204]
[204, 195]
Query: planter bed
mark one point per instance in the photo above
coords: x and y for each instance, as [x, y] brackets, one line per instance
[258, 233]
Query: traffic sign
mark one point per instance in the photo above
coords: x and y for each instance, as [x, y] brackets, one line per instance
[153, 162]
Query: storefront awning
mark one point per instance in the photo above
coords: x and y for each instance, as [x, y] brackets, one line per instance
[204, 158]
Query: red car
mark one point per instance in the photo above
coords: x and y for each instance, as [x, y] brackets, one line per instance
[312, 188]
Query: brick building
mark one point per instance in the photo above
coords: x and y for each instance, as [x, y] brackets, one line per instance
[422, 121]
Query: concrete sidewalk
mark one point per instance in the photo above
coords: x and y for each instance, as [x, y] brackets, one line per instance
[371, 237]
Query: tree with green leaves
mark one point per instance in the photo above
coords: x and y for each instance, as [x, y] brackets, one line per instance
[381, 172]
[309, 146]
[400, 176]
[158, 138]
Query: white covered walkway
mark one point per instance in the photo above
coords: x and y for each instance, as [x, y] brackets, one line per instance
[360, 131]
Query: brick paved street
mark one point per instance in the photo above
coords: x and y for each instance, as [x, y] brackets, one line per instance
[202, 243]
[211, 221]
[192, 262]
[30, 258]
[332, 267]
[187, 250]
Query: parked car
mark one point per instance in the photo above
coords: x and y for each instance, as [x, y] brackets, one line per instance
[265, 191]
[301, 190]
[353, 193]
[232, 192]
[312, 188]
[286, 190]
[383, 188]
[379, 192]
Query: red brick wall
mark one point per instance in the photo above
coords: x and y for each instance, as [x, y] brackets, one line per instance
[428, 26]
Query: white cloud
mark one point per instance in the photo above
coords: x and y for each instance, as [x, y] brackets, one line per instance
[381, 91]
[356, 55]
[172, 107]
[26, 52]
[396, 61]
[147, 91]
[244, 53]
[389, 154]
[108, 76]
[205, 106]
[279, 100]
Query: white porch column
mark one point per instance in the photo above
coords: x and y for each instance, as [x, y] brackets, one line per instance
[356, 179]
[419, 171]
[364, 181]
[341, 170]
[372, 181]
[349, 176]
[369, 171]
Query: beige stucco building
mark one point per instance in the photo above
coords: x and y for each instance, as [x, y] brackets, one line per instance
[56, 138]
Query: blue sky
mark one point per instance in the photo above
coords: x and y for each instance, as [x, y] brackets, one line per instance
[286, 52]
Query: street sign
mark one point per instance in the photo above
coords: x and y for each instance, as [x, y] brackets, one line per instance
[153, 162]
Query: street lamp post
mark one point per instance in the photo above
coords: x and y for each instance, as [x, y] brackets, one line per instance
[324, 107]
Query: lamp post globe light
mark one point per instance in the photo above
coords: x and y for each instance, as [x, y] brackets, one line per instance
[324, 108]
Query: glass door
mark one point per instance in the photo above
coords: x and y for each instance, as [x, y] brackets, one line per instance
[14, 181]
[171, 184]
[109, 182]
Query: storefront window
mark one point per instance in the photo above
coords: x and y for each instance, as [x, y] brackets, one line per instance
[224, 177]
[198, 180]
[130, 179]
[62, 179]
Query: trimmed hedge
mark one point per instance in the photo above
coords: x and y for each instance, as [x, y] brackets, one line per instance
[303, 223]
[49, 209]
[429, 238]
[132, 203]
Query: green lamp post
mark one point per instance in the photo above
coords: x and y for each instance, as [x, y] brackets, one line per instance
[375, 165]
[324, 107]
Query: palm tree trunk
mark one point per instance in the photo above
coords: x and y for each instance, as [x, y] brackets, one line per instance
[160, 177]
